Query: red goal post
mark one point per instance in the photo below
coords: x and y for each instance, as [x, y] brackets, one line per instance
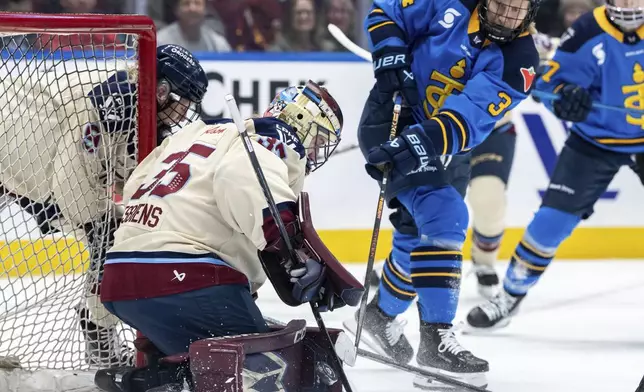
[138, 25]
[29, 288]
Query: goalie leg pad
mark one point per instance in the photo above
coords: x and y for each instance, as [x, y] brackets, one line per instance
[291, 358]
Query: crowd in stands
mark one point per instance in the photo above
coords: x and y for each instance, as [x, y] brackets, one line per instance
[250, 25]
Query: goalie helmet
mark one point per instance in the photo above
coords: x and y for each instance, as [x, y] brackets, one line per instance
[314, 115]
[504, 20]
[181, 86]
[627, 14]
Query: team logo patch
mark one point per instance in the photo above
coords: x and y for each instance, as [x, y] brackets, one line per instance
[91, 137]
[528, 77]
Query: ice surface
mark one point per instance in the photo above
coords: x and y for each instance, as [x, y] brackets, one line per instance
[580, 329]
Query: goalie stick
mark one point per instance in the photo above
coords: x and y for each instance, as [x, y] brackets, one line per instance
[406, 368]
[248, 145]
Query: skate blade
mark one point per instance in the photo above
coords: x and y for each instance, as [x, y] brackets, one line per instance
[366, 337]
[476, 379]
[468, 329]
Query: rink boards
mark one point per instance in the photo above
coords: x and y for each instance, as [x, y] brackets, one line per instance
[344, 198]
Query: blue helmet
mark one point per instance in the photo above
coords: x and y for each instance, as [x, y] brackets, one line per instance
[181, 86]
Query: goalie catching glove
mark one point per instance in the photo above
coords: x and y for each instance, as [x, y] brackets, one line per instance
[316, 275]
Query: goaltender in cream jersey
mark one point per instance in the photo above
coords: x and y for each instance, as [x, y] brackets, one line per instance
[60, 131]
[195, 211]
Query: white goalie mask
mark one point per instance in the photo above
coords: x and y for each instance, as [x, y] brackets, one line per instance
[627, 14]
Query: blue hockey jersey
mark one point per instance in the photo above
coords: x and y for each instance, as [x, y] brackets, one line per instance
[466, 83]
[596, 55]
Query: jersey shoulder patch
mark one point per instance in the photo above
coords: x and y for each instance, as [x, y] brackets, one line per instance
[115, 101]
[273, 128]
[520, 63]
[583, 30]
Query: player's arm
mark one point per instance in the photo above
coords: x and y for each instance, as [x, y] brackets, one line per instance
[573, 70]
[241, 199]
[392, 27]
[398, 22]
[504, 79]
[466, 119]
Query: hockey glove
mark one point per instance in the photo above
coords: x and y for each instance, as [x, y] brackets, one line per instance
[392, 69]
[307, 278]
[574, 104]
[408, 153]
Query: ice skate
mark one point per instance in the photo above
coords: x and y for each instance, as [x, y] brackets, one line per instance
[382, 333]
[488, 280]
[103, 348]
[440, 352]
[495, 313]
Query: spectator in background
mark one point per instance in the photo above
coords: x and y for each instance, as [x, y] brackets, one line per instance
[79, 6]
[190, 31]
[251, 25]
[78, 41]
[342, 14]
[298, 33]
[548, 18]
[570, 10]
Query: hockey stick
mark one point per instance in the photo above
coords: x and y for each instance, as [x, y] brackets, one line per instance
[272, 206]
[420, 372]
[347, 43]
[348, 148]
[376, 226]
[406, 368]
[544, 95]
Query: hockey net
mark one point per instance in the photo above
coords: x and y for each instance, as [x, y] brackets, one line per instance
[51, 251]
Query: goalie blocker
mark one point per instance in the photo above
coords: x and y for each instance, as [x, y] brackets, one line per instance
[291, 358]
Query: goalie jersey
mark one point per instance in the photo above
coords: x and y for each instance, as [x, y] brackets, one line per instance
[597, 56]
[195, 213]
[59, 134]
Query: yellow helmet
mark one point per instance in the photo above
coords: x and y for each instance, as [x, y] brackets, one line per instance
[315, 117]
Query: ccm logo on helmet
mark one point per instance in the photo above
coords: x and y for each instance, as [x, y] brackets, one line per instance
[184, 55]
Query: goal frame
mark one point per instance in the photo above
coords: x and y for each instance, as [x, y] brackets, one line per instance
[140, 25]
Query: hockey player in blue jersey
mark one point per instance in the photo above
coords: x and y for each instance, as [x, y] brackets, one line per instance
[460, 66]
[600, 59]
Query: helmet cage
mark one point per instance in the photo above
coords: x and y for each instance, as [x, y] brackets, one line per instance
[315, 117]
[500, 33]
[174, 111]
[628, 18]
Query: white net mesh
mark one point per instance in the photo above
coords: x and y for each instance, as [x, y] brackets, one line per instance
[66, 146]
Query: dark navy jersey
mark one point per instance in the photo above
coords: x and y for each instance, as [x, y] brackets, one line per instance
[466, 82]
[596, 55]
[115, 101]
